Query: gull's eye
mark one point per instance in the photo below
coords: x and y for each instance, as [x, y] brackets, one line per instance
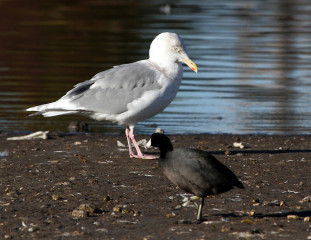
[176, 49]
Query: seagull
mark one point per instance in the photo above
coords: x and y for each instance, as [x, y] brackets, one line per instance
[128, 93]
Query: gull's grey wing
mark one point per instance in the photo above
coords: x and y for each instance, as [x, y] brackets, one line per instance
[110, 91]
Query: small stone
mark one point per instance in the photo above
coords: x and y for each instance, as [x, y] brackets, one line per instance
[55, 197]
[306, 199]
[227, 153]
[254, 231]
[149, 238]
[83, 210]
[274, 203]
[289, 217]
[107, 198]
[255, 202]
[7, 236]
[79, 213]
[170, 215]
[248, 221]
[226, 228]
[104, 230]
[277, 225]
[94, 181]
[252, 212]
[238, 145]
[117, 209]
[307, 219]
[33, 229]
[88, 208]
[130, 211]
[120, 144]
[66, 234]
[182, 221]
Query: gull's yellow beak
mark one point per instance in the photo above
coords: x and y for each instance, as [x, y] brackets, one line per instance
[190, 64]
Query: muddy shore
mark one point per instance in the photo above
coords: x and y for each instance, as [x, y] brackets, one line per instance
[86, 187]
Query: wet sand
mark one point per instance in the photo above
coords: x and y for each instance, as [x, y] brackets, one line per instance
[44, 182]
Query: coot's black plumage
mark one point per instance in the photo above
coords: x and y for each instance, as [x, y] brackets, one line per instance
[193, 170]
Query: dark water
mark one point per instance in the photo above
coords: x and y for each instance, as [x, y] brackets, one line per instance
[254, 60]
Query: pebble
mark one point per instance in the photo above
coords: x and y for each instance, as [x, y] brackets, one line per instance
[307, 219]
[119, 144]
[292, 217]
[83, 210]
[88, 208]
[104, 230]
[306, 199]
[4, 153]
[117, 208]
[182, 221]
[274, 203]
[62, 183]
[255, 202]
[130, 211]
[252, 212]
[238, 145]
[107, 198]
[55, 197]
[226, 228]
[79, 213]
[248, 221]
[170, 215]
[33, 229]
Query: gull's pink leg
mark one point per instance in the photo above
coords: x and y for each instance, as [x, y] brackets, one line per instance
[127, 133]
[139, 153]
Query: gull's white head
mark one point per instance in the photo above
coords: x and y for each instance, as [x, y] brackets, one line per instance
[168, 48]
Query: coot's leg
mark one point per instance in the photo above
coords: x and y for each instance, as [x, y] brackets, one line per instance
[199, 217]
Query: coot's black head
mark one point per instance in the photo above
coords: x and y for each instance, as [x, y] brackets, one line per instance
[162, 142]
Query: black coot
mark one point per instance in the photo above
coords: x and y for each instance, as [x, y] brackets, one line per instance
[193, 170]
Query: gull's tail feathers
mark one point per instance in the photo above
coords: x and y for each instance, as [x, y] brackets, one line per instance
[52, 109]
